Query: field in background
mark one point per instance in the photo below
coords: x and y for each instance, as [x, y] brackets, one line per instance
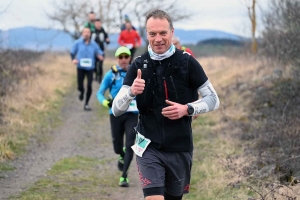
[226, 165]
[221, 153]
[34, 101]
[213, 138]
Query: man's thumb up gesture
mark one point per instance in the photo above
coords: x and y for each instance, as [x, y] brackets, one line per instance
[138, 84]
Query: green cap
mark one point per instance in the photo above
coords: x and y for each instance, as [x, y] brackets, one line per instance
[121, 50]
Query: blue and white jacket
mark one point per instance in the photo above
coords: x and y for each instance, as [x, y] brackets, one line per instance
[113, 82]
[85, 53]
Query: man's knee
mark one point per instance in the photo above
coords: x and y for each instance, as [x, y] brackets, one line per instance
[118, 147]
[89, 88]
[155, 197]
[80, 88]
[156, 193]
[118, 150]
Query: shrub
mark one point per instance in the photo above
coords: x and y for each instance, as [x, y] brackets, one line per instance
[281, 35]
[14, 67]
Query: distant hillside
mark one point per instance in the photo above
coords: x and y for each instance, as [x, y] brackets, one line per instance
[52, 39]
[35, 39]
[223, 42]
[194, 36]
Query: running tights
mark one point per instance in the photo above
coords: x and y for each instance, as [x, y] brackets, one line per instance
[80, 79]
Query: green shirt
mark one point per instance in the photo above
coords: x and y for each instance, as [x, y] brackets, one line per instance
[91, 26]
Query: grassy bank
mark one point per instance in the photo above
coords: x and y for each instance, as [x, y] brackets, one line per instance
[221, 159]
[78, 177]
[215, 134]
[74, 178]
[34, 105]
[81, 177]
[230, 161]
[213, 140]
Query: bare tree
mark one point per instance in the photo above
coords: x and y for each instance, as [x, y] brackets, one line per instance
[113, 16]
[251, 9]
[281, 34]
[71, 15]
[121, 7]
[3, 10]
[104, 8]
[252, 17]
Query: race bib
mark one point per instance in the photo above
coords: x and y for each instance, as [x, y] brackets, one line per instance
[86, 62]
[129, 46]
[141, 143]
[132, 106]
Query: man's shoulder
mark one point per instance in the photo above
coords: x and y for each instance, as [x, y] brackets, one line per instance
[90, 24]
[78, 41]
[86, 24]
[143, 58]
[182, 57]
[102, 30]
[182, 54]
[109, 73]
[122, 33]
[135, 31]
[94, 44]
[108, 76]
[189, 50]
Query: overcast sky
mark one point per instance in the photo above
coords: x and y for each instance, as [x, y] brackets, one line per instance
[226, 15]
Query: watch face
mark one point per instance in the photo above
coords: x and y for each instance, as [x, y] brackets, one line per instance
[190, 110]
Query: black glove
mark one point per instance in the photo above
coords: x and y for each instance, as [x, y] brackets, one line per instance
[110, 102]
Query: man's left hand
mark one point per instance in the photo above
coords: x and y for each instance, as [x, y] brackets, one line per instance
[100, 57]
[174, 110]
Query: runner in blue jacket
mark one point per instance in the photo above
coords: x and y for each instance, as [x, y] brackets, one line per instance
[113, 81]
[83, 54]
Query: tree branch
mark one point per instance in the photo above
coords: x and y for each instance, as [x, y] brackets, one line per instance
[5, 9]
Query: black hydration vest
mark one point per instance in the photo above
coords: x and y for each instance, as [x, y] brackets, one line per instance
[168, 79]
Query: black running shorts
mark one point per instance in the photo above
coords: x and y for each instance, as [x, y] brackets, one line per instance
[161, 172]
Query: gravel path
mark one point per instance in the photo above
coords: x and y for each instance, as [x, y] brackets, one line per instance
[79, 127]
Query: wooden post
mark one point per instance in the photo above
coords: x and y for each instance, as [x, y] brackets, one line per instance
[252, 16]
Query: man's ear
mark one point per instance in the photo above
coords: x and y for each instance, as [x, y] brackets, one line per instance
[172, 32]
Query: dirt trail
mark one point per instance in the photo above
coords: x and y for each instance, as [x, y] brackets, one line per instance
[82, 133]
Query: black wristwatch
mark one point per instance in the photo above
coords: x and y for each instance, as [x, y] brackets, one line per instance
[190, 109]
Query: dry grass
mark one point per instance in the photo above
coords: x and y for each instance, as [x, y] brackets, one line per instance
[37, 95]
[219, 157]
[216, 142]
[231, 78]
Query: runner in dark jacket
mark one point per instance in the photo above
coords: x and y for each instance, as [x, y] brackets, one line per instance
[165, 82]
[100, 37]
